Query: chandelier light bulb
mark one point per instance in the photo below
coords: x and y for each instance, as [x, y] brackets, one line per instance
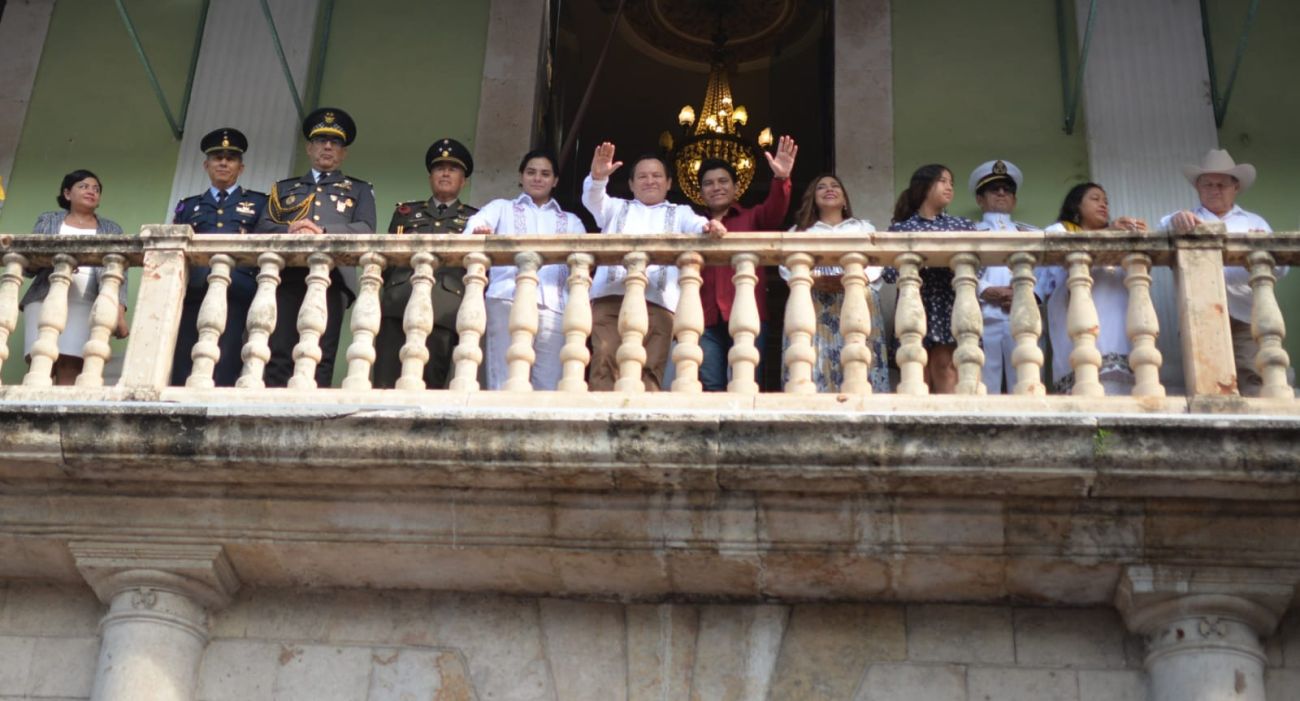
[765, 137]
[687, 116]
[741, 115]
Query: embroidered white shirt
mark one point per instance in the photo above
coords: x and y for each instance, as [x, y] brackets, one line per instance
[616, 215]
[523, 217]
[1237, 278]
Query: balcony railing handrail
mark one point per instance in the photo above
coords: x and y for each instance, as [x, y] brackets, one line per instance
[993, 248]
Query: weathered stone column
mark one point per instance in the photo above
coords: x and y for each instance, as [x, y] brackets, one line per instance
[1203, 627]
[156, 628]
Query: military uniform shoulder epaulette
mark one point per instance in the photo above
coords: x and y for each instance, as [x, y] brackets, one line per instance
[254, 193]
[411, 203]
[468, 208]
[359, 181]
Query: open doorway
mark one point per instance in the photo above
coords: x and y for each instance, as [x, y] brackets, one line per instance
[639, 62]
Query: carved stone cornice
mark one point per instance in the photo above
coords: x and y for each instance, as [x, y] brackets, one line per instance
[200, 572]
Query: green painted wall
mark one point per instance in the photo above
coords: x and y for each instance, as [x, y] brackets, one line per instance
[92, 107]
[1260, 127]
[408, 71]
[974, 81]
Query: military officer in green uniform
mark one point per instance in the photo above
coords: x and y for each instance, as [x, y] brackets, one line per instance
[324, 201]
[449, 164]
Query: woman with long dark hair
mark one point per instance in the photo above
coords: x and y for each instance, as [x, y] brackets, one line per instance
[826, 209]
[921, 207]
[1086, 208]
[533, 211]
[78, 199]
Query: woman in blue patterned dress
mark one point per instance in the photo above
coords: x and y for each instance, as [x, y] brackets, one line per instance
[921, 208]
[825, 209]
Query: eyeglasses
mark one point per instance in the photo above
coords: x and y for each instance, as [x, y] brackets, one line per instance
[332, 140]
[1007, 188]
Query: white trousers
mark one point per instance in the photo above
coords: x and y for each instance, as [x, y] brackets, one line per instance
[998, 344]
[546, 346]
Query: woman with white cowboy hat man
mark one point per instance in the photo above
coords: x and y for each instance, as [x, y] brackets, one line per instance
[1218, 180]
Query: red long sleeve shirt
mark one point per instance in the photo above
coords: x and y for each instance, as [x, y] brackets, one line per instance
[717, 292]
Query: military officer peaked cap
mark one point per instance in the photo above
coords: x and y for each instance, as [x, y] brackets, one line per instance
[330, 121]
[992, 171]
[449, 151]
[224, 139]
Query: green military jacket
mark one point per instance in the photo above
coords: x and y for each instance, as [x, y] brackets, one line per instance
[423, 217]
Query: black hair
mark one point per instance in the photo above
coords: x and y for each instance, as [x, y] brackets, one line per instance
[1074, 200]
[714, 164]
[911, 199]
[539, 153]
[650, 157]
[71, 179]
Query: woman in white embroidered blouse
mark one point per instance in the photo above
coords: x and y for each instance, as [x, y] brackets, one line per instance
[826, 209]
[533, 212]
[1086, 209]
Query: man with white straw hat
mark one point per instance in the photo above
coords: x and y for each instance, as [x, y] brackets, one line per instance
[1218, 180]
[994, 185]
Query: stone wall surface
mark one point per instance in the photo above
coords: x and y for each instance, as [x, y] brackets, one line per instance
[354, 645]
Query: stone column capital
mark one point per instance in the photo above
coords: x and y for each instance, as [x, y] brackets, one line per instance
[1150, 596]
[200, 572]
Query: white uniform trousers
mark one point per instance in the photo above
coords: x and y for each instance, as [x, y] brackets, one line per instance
[998, 344]
[546, 346]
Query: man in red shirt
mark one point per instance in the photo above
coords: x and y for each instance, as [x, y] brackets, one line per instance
[718, 189]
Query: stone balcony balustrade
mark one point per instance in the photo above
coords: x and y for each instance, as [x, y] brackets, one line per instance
[1178, 510]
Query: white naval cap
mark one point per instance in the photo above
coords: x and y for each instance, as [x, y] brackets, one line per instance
[989, 171]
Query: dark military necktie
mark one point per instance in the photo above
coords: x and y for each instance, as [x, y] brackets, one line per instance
[221, 196]
[442, 208]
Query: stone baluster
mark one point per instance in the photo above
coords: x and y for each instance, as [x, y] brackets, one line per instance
[161, 598]
[313, 316]
[471, 322]
[744, 326]
[1026, 326]
[800, 325]
[523, 323]
[1082, 325]
[156, 321]
[577, 324]
[103, 320]
[633, 325]
[365, 322]
[1203, 627]
[261, 322]
[1203, 325]
[211, 324]
[967, 324]
[11, 280]
[909, 326]
[417, 322]
[855, 326]
[1143, 327]
[54, 318]
[688, 325]
[1268, 327]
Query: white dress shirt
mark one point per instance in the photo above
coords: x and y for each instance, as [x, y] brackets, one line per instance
[996, 275]
[615, 215]
[1237, 221]
[521, 217]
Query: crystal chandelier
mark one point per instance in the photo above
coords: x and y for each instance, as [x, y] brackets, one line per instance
[715, 134]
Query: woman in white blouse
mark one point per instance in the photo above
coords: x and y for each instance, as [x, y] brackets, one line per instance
[825, 209]
[1086, 209]
[533, 212]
